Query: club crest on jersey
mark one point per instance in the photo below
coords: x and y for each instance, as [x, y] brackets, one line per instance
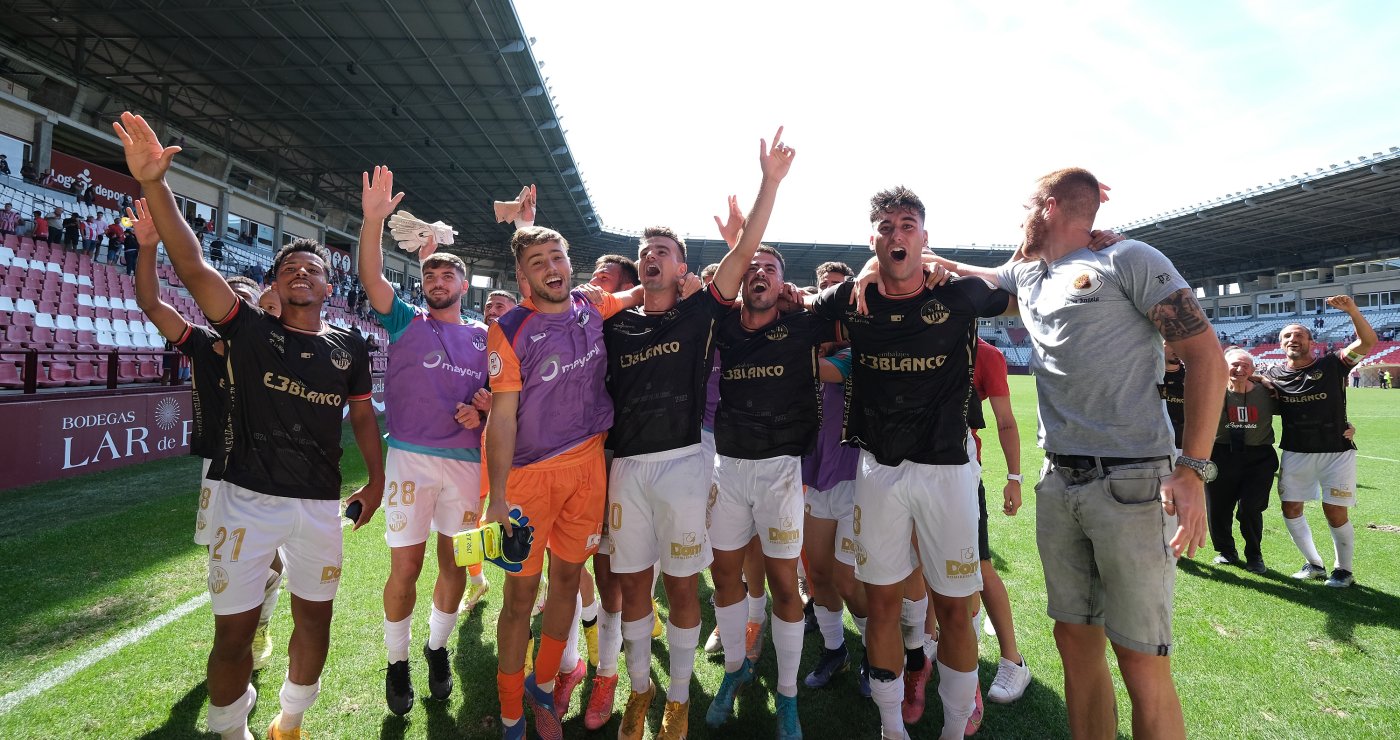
[583, 318]
[340, 358]
[479, 343]
[1085, 284]
[934, 312]
[777, 334]
[1315, 376]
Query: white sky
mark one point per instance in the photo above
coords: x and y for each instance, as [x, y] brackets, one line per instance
[1171, 103]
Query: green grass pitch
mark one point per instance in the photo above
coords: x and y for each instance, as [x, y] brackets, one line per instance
[86, 560]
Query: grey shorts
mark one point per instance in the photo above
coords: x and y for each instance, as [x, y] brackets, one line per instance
[1103, 545]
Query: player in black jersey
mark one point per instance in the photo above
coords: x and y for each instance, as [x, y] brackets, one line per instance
[766, 421]
[658, 365]
[208, 395]
[911, 383]
[1318, 461]
[1173, 390]
[290, 380]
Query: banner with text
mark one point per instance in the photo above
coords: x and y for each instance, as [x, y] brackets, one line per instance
[110, 185]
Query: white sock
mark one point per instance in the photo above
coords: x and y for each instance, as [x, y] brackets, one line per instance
[569, 660]
[636, 636]
[833, 631]
[479, 578]
[271, 591]
[296, 699]
[860, 627]
[1344, 540]
[681, 642]
[730, 621]
[787, 643]
[609, 641]
[912, 615]
[1302, 537]
[440, 626]
[397, 637]
[956, 689]
[887, 696]
[758, 608]
[231, 721]
[655, 576]
[590, 611]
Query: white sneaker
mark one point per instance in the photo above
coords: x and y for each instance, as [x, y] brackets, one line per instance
[988, 628]
[1010, 683]
[930, 648]
[977, 624]
[713, 644]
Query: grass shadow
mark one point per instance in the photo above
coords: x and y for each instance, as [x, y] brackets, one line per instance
[183, 721]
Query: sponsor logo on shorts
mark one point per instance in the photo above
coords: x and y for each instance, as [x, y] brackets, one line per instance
[593, 541]
[710, 505]
[330, 573]
[199, 523]
[849, 545]
[963, 569]
[340, 358]
[858, 549]
[204, 494]
[934, 312]
[784, 533]
[1341, 493]
[688, 547]
[218, 579]
[397, 521]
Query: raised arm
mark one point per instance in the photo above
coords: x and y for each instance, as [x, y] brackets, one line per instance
[148, 162]
[775, 162]
[171, 324]
[1365, 336]
[378, 201]
[1183, 325]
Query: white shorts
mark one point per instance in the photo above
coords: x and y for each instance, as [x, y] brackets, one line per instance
[208, 491]
[1304, 476]
[250, 526]
[936, 502]
[837, 504]
[707, 443]
[423, 492]
[757, 497]
[656, 512]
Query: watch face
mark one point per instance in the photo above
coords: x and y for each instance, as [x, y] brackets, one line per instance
[1211, 471]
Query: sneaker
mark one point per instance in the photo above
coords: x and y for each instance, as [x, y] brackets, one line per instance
[675, 721]
[753, 639]
[931, 647]
[915, 690]
[977, 618]
[538, 608]
[722, 708]
[275, 732]
[590, 639]
[515, 731]
[828, 665]
[634, 717]
[262, 647]
[1010, 683]
[1223, 559]
[564, 685]
[988, 629]
[1310, 571]
[475, 593]
[1257, 567]
[974, 722]
[802, 590]
[541, 703]
[713, 644]
[863, 677]
[809, 616]
[789, 728]
[439, 673]
[530, 654]
[656, 626]
[600, 702]
[398, 688]
[1340, 578]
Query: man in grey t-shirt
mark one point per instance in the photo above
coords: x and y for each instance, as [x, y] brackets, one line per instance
[1113, 512]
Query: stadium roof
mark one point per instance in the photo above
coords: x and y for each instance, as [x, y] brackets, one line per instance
[451, 96]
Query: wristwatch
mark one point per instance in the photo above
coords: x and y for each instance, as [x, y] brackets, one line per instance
[1204, 468]
[1014, 476]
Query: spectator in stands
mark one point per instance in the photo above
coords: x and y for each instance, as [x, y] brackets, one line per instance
[55, 220]
[99, 229]
[89, 235]
[89, 195]
[125, 203]
[72, 231]
[115, 241]
[41, 228]
[198, 223]
[28, 172]
[9, 220]
[216, 252]
[131, 248]
[4, 166]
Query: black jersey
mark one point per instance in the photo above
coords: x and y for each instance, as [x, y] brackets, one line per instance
[1312, 403]
[911, 368]
[286, 403]
[208, 393]
[1173, 392]
[769, 399]
[658, 365]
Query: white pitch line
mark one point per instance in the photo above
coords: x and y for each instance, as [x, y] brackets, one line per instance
[64, 672]
[1372, 457]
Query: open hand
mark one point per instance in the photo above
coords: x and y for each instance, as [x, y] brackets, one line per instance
[145, 157]
[142, 225]
[376, 195]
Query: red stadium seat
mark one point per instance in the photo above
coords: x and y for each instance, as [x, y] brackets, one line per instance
[42, 335]
[22, 318]
[10, 375]
[127, 372]
[55, 375]
[17, 334]
[150, 371]
[87, 373]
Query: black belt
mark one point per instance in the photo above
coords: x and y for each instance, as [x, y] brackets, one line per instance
[1088, 462]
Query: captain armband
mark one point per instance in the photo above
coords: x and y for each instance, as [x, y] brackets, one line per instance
[1354, 357]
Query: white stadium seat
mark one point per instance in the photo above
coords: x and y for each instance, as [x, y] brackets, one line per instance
[84, 323]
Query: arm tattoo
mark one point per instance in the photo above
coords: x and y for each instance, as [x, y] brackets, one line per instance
[1179, 316]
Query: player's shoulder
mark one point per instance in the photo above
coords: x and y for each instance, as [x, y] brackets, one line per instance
[510, 322]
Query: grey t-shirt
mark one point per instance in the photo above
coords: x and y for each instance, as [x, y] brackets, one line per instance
[1097, 358]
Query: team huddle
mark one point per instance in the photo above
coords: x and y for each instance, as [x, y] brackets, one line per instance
[659, 423]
